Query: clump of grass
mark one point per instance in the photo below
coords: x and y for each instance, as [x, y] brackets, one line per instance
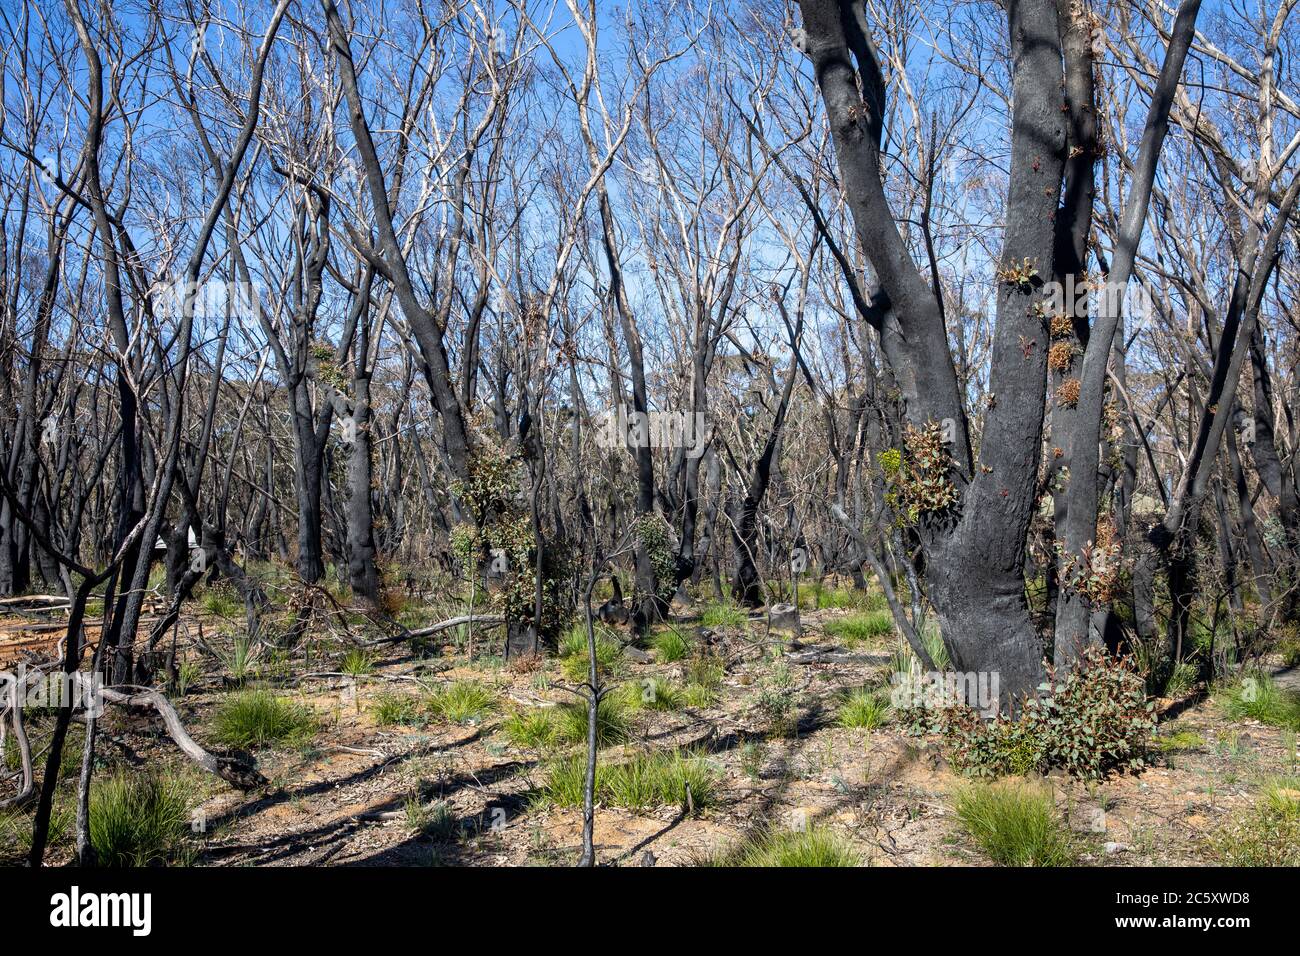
[534, 729]
[397, 710]
[1182, 678]
[357, 662]
[221, 603]
[670, 646]
[1256, 697]
[824, 596]
[813, 847]
[1268, 834]
[697, 695]
[864, 708]
[661, 778]
[139, 821]
[1015, 824]
[862, 627]
[573, 654]
[258, 718]
[437, 820]
[1183, 740]
[239, 663]
[653, 693]
[723, 615]
[705, 670]
[611, 722]
[462, 701]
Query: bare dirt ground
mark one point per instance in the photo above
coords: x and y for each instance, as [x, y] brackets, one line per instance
[343, 798]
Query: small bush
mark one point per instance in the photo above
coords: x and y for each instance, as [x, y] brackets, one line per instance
[534, 729]
[697, 695]
[1015, 824]
[814, 847]
[705, 670]
[462, 701]
[670, 646]
[1257, 697]
[865, 709]
[861, 628]
[1094, 721]
[258, 718]
[139, 821]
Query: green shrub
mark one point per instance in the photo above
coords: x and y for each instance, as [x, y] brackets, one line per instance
[1096, 720]
[462, 701]
[534, 729]
[647, 781]
[861, 627]
[864, 708]
[670, 646]
[1015, 824]
[814, 847]
[1257, 697]
[258, 718]
[139, 820]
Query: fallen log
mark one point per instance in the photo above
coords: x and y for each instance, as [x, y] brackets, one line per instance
[239, 770]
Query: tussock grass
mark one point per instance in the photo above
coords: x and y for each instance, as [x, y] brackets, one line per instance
[258, 718]
[1266, 835]
[1257, 697]
[139, 821]
[535, 729]
[864, 708]
[612, 725]
[397, 710]
[814, 847]
[670, 646]
[652, 693]
[1015, 823]
[462, 701]
[573, 654]
[717, 615]
[650, 780]
[861, 627]
[437, 820]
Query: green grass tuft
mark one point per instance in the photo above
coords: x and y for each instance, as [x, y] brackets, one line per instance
[814, 847]
[647, 781]
[462, 701]
[1256, 697]
[612, 724]
[397, 710]
[862, 627]
[258, 718]
[535, 729]
[865, 708]
[723, 615]
[1015, 823]
[139, 821]
[670, 646]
